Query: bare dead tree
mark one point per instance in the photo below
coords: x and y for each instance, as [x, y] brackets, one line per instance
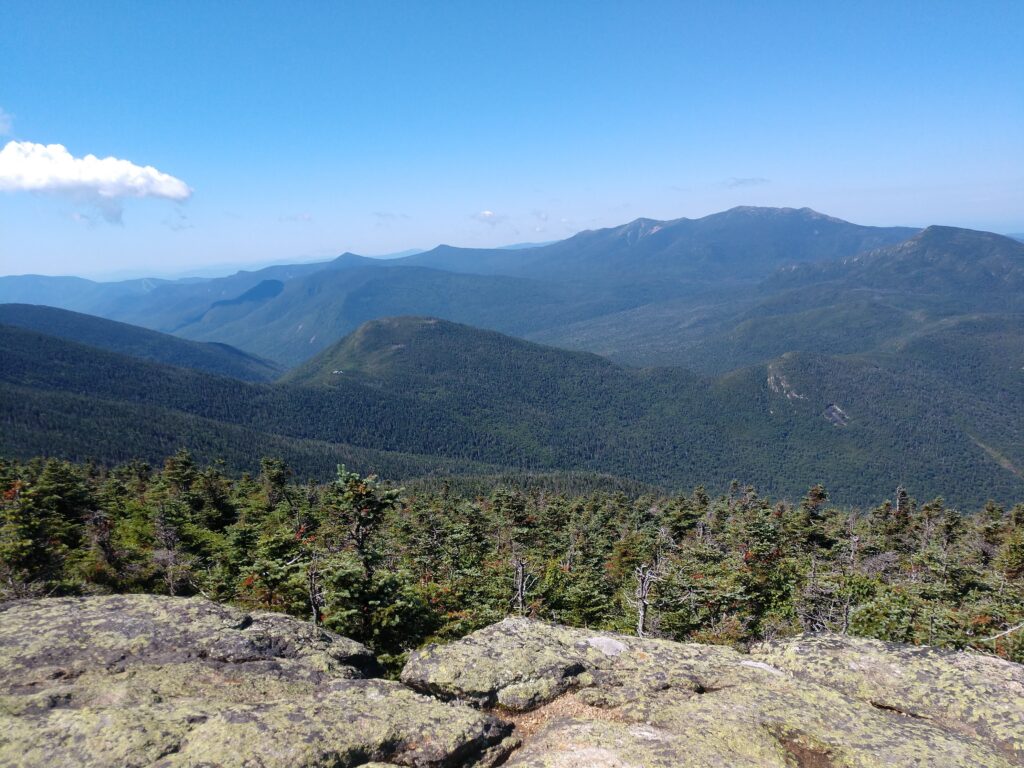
[314, 587]
[645, 575]
[523, 583]
[825, 602]
[1004, 633]
[175, 564]
[902, 500]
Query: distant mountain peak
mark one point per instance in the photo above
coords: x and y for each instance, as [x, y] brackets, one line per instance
[972, 243]
[769, 211]
[639, 228]
[937, 231]
[945, 261]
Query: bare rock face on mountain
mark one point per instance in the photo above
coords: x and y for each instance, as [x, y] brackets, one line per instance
[584, 698]
[140, 680]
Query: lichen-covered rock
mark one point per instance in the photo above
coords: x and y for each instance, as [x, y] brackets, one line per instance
[657, 703]
[964, 692]
[64, 637]
[163, 682]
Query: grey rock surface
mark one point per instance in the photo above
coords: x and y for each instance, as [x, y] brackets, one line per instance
[161, 682]
[138, 680]
[604, 700]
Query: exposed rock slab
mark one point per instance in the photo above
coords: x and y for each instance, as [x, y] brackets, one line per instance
[161, 682]
[811, 702]
[141, 680]
[964, 692]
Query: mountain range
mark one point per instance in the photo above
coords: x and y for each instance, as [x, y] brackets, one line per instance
[686, 267]
[779, 347]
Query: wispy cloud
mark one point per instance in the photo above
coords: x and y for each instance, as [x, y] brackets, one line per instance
[178, 221]
[386, 219]
[82, 218]
[302, 218]
[6, 123]
[746, 181]
[489, 217]
[541, 217]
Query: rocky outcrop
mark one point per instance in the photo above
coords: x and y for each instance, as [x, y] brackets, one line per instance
[966, 693]
[605, 700]
[141, 680]
[165, 682]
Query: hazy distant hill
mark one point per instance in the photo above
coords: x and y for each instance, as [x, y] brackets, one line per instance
[310, 313]
[852, 305]
[74, 293]
[538, 292]
[139, 342]
[948, 264]
[154, 303]
[743, 243]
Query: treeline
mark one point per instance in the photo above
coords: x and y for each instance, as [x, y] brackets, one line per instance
[395, 569]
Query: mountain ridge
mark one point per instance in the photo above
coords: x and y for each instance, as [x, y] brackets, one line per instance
[592, 275]
[861, 369]
[138, 342]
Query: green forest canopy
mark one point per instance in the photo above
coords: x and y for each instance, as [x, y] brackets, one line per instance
[396, 568]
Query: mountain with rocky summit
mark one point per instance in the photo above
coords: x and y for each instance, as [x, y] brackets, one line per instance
[164, 682]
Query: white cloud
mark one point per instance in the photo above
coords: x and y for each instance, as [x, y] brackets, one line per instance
[489, 217]
[6, 123]
[26, 166]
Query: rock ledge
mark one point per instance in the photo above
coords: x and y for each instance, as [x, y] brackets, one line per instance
[162, 682]
[814, 702]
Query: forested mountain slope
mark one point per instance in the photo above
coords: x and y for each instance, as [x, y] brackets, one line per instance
[860, 304]
[310, 313]
[436, 389]
[75, 293]
[713, 294]
[901, 362]
[66, 399]
[849, 421]
[156, 303]
[139, 342]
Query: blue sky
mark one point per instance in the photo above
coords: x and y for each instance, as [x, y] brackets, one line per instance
[302, 130]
